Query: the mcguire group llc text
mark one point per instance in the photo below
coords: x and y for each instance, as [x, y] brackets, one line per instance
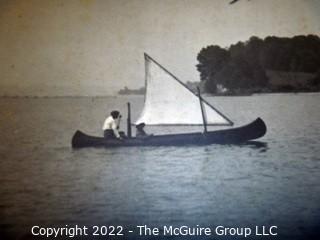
[145, 230]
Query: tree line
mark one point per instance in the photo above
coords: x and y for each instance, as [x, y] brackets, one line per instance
[243, 66]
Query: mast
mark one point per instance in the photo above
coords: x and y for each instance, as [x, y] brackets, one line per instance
[129, 134]
[202, 112]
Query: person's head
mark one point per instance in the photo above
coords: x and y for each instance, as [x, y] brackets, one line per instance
[140, 126]
[115, 114]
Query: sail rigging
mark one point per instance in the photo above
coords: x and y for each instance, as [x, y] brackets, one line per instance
[168, 101]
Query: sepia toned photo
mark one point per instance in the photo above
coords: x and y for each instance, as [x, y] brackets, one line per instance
[149, 119]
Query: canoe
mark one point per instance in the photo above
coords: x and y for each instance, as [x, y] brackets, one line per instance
[253, 130]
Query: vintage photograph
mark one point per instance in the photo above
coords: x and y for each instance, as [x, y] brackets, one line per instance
[160, 119]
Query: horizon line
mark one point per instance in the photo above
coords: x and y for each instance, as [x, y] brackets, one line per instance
[56, 96]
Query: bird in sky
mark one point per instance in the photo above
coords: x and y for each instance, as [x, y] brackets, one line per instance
[234, 1]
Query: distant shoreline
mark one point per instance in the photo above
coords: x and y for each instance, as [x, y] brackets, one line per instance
[35, 97]
[128, 91]
[205, 94]
[244, 94]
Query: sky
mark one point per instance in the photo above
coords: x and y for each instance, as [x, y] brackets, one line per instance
[96, 47]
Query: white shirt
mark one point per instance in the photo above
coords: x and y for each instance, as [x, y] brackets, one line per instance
[113, 124]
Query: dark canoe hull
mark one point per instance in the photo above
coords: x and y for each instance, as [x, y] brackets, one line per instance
[239, 135]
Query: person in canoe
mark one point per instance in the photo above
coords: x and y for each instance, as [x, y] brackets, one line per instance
[140, 132]
[111, 126]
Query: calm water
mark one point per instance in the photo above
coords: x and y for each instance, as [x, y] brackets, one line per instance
[45, 182]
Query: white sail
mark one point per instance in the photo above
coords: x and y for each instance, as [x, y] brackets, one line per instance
[169, 102]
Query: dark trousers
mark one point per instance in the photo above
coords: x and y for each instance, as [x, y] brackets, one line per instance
[109, 134]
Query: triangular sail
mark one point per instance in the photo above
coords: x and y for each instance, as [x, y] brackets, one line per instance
[169, 102]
